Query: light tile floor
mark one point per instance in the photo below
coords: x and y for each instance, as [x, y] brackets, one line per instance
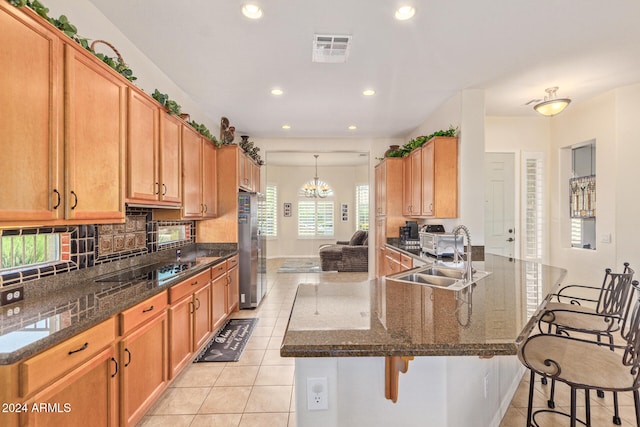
[258, 389]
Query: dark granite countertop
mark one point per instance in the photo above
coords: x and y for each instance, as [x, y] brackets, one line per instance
[59, 307]
[383, 317]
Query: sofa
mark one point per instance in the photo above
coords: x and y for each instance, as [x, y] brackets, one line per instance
[351, 255]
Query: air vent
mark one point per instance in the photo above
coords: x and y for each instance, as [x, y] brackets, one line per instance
[332, 49]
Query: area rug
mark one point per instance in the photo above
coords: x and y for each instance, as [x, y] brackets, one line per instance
[229, 343]
[311, 265]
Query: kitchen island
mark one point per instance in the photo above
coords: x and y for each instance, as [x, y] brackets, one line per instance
[362, 336]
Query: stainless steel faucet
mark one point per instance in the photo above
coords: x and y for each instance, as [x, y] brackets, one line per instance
[468, 267]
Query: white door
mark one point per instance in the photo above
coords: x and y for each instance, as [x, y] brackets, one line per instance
[499, 216]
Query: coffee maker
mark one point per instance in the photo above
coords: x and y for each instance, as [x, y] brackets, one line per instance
[409, 237]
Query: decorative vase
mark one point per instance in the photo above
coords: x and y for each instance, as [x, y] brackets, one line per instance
[391, 148]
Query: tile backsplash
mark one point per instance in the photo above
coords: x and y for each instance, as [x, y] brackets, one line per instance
[84, 246]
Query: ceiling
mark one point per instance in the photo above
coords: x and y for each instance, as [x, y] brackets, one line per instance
[511, 49]
[333, 158]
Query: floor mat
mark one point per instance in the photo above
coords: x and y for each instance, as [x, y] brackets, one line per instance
[311, 265]
[229, 343]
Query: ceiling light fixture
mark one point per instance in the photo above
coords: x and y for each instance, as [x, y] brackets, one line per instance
[552, 105]
[316, 188]
[277, 92]
[251, 11]
[368, 92]
[286, 127]
[405, 12]
[352, 127]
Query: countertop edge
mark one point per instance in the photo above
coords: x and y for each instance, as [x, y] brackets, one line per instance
[48, 342]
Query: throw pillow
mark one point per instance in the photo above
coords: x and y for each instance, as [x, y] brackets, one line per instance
[357, 238]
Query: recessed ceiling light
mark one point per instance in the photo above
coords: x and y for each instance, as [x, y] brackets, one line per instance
[368, 92]
[405, 12]
[277, 92]
[286, 127]
[251, 11]
[353, 127]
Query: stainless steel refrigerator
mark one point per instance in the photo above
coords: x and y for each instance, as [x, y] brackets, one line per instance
[251, 247]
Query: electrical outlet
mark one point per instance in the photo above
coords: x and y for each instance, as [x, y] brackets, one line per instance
[10, 296]
[317, 394]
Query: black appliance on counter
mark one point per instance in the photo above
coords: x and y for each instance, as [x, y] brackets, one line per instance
[409, 237]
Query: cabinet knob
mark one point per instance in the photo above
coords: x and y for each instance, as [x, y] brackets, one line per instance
[126, 350]
[164, 189]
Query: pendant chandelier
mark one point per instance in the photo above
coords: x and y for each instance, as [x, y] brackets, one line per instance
[315, 188]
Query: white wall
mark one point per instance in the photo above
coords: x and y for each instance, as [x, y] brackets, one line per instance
[288, 180]
[594, 119]
[467, 112]
[375, 148]
[92, 24]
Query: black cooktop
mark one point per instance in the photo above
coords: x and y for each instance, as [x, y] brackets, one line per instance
[159, 272]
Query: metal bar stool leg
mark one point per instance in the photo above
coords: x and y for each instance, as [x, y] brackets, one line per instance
[587, 407]
[616, 412]
[573, 407]
[532, 380]
[636, 401]
[550, 403]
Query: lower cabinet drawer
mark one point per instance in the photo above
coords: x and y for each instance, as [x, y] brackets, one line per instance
[47, 366]
[218, 270]
[140, 313]
[189, 286]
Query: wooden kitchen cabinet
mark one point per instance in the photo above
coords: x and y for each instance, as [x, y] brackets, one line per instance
[219, 306]
[189, 319]
[233, 283]
[89, 392]
[143, 355]
[31, 173]
[440, 178]
[388, 199]
[65, 163]
[238, 170]
[154, 165]
[224, 291]
[412, 184]
[95, 100]
[199, 175]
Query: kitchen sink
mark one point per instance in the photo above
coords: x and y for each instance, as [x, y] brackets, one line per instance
[439, 277]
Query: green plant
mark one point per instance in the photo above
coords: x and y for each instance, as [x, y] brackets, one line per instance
[202, 129]
[419, 141]
[165, 101]
[63, 24]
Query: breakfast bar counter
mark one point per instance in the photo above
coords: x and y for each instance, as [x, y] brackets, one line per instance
[383, 317]
[362, 335]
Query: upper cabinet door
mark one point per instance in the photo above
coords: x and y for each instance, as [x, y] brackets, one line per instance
[192, 173]
[31, 94]
[209, 181]
[170, 159]
[95, 101]
[142, 148]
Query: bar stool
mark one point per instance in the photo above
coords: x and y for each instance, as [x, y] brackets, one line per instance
[568, 315]
[586, 364]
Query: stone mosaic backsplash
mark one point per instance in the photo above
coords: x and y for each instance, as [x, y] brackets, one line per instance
[84, 246]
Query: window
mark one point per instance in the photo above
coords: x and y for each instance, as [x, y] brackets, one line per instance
[29, 249]
[172, 233]
[269, 216]
[315, 218]
[533, 208]
[362, 207]
[582, 191]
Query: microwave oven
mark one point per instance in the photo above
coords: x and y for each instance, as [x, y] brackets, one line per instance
[440, 244]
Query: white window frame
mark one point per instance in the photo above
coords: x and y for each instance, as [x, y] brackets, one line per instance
[314, 234]
[362, 205]
[269, 226]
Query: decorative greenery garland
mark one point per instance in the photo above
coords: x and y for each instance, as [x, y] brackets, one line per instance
[63, 24]
[420, 141]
